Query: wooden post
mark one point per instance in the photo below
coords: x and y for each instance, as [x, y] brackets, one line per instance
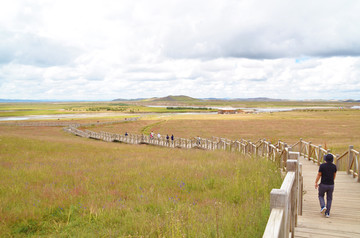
[293, 155]
[279, 199]
[319, 156]
[293, 166]
[268, 149]
[309, 151]
[288, 149]
[264, 147]
[336, 161]
[351, 157]
[301, 189]
[358, 179]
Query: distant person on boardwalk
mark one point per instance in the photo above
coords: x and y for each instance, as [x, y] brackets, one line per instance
[167, 138]
[172, 137]
[126, 134]
[327, 173]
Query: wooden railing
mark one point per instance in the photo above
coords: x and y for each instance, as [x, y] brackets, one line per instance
[259, 148]
[348, 161]
[286, 202]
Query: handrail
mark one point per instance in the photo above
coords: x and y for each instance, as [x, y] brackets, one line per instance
[349, 160]
[286, 202]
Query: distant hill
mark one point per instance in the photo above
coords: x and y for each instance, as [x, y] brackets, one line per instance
[186, 99]
[170, 98]
[351, 100]
[122, 99]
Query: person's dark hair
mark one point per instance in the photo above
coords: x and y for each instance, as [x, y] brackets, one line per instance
[329, 158]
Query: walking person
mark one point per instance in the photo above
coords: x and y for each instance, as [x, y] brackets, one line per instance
[327, 173]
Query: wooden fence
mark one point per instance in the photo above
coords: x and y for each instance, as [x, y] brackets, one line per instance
[286, 202]
[260, 148]
[348, 161]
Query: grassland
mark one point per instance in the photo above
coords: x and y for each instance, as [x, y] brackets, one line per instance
[54, 184]
[25, 109]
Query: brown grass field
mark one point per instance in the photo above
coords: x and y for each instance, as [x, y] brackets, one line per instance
[54, 184]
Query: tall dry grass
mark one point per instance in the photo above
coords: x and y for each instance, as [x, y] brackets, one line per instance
[56, 184]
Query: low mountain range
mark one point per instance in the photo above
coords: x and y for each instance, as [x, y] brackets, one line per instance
[183, 98]
[178, 98]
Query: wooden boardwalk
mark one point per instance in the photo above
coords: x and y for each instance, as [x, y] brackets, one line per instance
[344, 218]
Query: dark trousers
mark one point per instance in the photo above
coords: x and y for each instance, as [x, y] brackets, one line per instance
[328, 189]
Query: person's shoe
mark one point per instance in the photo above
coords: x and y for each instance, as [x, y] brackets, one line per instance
[323, 209]
[327, 215]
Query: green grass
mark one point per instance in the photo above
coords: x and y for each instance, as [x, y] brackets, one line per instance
[78, 187]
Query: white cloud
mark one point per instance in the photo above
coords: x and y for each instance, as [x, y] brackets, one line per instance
[109, 49]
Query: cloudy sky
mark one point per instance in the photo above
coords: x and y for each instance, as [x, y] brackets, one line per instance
[106, 49]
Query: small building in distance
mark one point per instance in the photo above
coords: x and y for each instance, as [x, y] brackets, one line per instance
[235, 111]
[230, 111]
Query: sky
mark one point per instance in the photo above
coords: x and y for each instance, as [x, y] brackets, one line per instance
[108, 49]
